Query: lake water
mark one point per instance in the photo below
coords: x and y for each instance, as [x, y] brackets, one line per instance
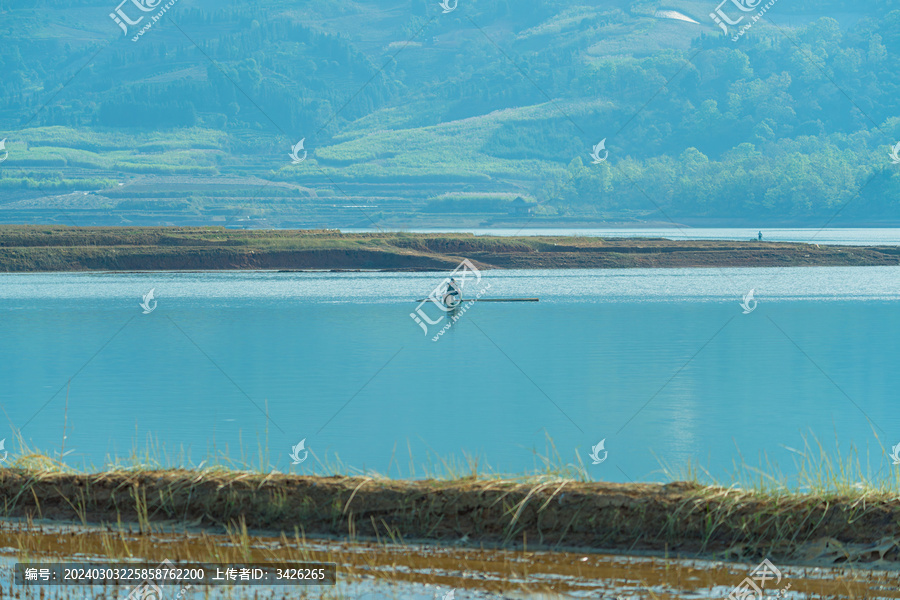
[661, 364]
[871, 236]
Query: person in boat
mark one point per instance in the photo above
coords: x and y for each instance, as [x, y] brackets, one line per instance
[452, 288]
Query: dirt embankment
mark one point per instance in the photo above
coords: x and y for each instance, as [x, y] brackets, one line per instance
[210, 259]
[57, 248]
[678, 518]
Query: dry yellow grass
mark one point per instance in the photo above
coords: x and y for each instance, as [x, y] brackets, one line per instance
[685, 518]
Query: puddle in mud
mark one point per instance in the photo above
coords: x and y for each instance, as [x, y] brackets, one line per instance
[376, 571]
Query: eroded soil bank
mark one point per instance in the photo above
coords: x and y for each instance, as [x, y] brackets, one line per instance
[678, 519]
[28, 248]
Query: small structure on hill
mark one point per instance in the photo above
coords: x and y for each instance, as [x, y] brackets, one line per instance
[520, 207]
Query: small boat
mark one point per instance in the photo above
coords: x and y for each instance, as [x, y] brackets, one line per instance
[452, 297]
[453, 301]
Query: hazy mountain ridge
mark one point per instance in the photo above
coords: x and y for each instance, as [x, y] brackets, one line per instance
[399, 104]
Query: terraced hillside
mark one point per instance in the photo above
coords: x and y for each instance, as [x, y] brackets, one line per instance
[411, 116]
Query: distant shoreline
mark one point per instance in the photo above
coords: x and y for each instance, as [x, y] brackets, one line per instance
[37, 248]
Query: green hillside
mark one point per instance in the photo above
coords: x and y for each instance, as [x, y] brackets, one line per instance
[415, 117]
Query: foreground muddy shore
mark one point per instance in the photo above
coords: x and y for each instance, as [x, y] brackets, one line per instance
[678, 519]
[388, 570]
[30, 248]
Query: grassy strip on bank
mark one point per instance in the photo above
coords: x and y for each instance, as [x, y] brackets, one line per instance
[682, 518]
[29, 248]
[838, 507]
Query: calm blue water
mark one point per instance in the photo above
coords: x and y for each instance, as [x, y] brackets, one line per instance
[662, 364]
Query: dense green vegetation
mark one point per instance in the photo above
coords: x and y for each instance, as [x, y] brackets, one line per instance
[407, 111]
